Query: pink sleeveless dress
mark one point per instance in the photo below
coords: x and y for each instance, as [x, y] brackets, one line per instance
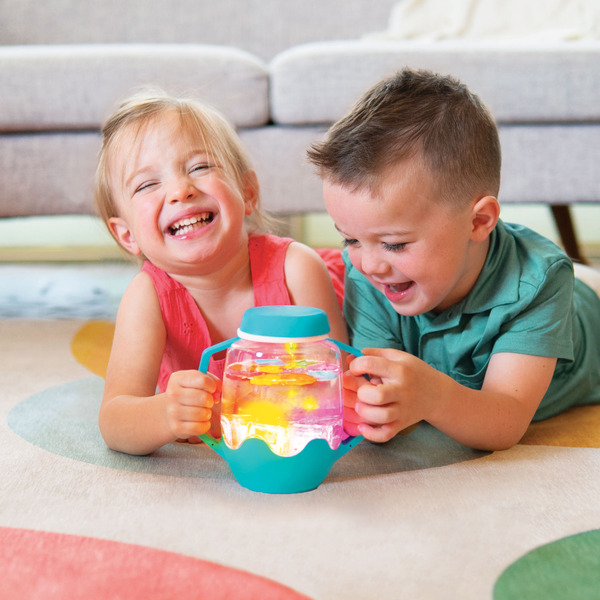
[187, 332]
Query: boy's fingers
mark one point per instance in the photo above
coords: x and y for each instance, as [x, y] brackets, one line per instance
[389, 353]
[381, 434]
[377, 415]
[377, 367]
[351, 416]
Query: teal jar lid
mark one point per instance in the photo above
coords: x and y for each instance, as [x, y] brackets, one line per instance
[284, 322]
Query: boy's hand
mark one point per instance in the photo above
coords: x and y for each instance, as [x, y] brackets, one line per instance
[400, 390]
[190, 396]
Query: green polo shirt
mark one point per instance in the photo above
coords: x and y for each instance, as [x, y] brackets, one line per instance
[525, 300]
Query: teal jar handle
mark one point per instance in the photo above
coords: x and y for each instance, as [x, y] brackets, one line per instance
[349, 349]
[208, 352]
[203, 368]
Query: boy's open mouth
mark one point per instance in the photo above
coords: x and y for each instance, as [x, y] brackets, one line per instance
[186, 225]
[398, 288]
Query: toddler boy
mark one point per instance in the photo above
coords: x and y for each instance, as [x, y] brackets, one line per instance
[473, 325]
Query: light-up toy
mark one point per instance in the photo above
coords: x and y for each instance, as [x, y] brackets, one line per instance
[281, 402]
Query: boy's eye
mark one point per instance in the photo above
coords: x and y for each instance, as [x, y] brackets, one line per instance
[394, 247]
[346, 242]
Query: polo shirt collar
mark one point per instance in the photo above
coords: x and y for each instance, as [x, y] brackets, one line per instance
[499, 280]
[497, 284]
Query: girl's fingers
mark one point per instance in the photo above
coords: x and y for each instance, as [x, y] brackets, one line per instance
[192, 414]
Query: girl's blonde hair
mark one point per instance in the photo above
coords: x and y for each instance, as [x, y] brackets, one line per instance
[218, 137]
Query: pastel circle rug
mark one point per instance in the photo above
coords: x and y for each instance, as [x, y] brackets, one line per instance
[64, 421]
[568, 569]
[56, 566]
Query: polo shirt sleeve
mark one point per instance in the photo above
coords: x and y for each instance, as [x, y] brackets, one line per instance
[544, 325]
[371, 321]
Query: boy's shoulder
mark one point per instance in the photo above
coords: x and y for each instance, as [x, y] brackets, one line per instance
[521, 266]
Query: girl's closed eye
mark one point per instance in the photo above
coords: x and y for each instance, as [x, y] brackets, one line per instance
[349, 242]
[201, 167]
[144, 186]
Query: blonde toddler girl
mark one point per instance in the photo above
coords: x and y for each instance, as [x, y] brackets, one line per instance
[175, 187]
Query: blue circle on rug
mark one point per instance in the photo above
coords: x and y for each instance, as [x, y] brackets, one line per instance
[568, 569]
[64, 420]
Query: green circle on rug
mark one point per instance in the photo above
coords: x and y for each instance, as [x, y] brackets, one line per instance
[64, 421]
[568, 569]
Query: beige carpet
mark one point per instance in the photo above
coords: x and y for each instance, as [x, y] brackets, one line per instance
[419, 518]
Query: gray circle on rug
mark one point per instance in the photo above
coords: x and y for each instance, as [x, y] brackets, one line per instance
[64, 420]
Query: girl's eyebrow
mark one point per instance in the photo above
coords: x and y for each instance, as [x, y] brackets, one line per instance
[193, 152]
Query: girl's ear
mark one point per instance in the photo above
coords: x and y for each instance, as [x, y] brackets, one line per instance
[123, 234]
[485, 212]
[251, 191]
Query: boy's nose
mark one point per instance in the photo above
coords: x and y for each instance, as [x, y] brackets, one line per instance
[373, 264]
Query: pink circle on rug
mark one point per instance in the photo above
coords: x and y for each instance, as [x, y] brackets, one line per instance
[45, 565]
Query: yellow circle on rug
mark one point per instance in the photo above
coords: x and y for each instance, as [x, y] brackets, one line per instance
[577, 427]
[92, 344]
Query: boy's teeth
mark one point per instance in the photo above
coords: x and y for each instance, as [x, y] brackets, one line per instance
[400, 287]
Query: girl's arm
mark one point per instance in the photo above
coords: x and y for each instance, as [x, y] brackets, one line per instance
[133, 418]
[309, 284]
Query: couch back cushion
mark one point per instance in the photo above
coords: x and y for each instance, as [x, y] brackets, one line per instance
[262, 27]
[75, 87]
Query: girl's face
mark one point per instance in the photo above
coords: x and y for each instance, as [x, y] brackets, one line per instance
[406, 242]
[174, 202]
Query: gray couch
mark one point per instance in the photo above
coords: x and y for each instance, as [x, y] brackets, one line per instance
[282, 72]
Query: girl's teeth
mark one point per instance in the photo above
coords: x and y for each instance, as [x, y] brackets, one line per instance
[186, 225]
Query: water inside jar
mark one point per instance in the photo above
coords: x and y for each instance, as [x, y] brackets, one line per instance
[286, 404]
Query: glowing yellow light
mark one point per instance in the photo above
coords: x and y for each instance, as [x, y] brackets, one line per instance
[271, 369]
[310, 403]
[267, 413]
[283, 379]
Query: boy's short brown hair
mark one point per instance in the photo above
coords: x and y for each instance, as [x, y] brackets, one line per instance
[415, 113]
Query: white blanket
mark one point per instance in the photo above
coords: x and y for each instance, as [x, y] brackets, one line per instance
[509, 20]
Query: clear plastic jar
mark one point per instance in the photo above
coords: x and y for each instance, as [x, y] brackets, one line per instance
[285, 393]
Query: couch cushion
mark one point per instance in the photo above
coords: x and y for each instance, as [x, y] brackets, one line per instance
[78, 86]
[550, 164]
[262, 27]
[52, 173]
[317, 83]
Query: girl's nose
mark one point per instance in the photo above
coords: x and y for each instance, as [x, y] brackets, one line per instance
[180, 190]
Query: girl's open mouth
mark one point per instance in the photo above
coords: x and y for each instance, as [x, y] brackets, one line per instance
[186, 225]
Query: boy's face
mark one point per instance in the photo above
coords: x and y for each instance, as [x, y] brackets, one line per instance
[408, 243]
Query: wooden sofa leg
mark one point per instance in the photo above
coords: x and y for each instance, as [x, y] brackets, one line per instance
[566, 230]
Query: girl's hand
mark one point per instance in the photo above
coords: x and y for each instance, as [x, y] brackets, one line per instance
[190, 396]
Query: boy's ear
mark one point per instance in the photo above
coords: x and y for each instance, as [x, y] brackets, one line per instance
[485, 212]
[123, 234]
[250, 190]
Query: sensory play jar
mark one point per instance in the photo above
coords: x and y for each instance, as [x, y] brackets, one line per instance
[282, 381]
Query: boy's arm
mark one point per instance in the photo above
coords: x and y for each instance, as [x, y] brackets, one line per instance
[493, 418]
[309, 284]
[133, 418]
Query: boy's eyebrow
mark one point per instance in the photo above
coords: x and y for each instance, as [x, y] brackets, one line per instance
[399, 232]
